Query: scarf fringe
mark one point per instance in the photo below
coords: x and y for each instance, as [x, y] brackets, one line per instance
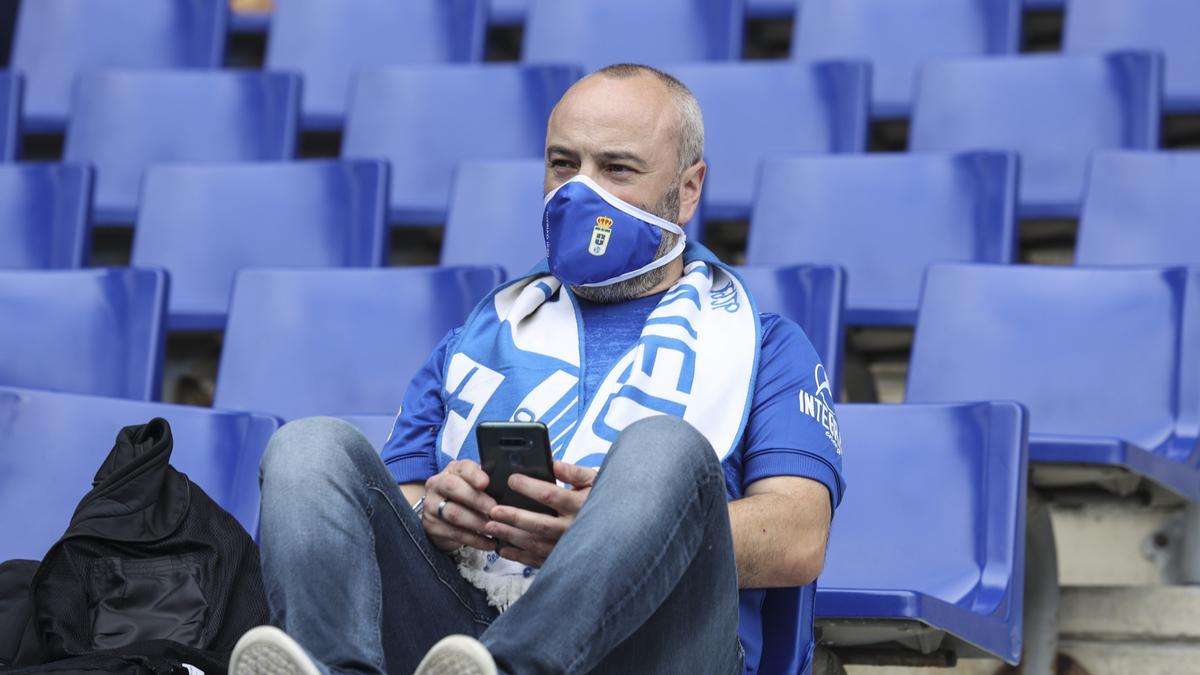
[502, 590]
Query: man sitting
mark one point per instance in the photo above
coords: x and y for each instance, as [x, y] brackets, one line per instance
[694, 436]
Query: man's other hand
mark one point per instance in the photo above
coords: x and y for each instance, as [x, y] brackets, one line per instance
[529, 537]
[461, 521]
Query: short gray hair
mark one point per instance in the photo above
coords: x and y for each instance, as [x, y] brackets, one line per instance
[691, 120]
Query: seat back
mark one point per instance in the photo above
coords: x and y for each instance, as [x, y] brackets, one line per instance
[1090, 351]
[755, 110]
[424, 120]
[52, 445]
[897, 37]
[55, 40]
[1140, 209]
[326, 42]
[11, 87]
[205, 222]
[330, 342]
[1166, 26]
[96, 331]
[1053, 110]
[44, 215]
[495, 215]
[814, 296]
[124, 121]
[937, 507]
[884, 218]
[596, 33]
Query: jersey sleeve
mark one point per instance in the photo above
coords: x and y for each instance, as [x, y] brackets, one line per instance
[410, 452]
[792, 429]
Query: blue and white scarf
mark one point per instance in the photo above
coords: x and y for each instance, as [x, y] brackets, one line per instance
[520, 357]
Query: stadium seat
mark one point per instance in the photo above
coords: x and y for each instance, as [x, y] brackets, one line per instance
[205, 222]
[596, 33]
[1042, 5]
[753, 110]
[495, 216]
[1105, 359]
[884, 218]
[122, 122]
[1167, 26]
[771, 9]
[1054, 110]
[339, 341]
[928, 547]
[52, 445]
[425, 119]
[44, 216]
[57, 39]
[326, 42]
[97, 331]
[507, 12]
[896, 37]
[1141, 208]
[10, 116]
[814, 296]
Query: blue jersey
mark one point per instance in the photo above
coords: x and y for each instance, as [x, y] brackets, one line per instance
[791, 430]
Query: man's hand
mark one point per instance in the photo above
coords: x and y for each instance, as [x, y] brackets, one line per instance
[462, 519]
[530, 537]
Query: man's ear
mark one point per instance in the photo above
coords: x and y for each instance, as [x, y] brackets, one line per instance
[691, 183]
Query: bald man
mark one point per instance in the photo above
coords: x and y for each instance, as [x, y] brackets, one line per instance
[696, 450]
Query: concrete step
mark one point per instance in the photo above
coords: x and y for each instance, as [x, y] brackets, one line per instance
[1159, 614]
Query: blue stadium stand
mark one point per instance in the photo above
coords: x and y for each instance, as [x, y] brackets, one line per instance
[97, 331]
[1042, 5]
[44, 216]
[424, 120]
[1167, 26]
[1107, 360]
[327, 42]
[596, 33]
[507, 13]
[814, 296]
[55, 40]
[1141, 208]
[928, 547]
[10, 116]
[495, 216]
[339, 341]
[377, 428]
[771, 9]
[897, 37]
[885, 218]
[1054, 110]
[754, 110]
[122, 122]
[205, 222]
[52, 445]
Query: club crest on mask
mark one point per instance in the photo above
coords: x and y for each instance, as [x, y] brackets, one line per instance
[600, 235]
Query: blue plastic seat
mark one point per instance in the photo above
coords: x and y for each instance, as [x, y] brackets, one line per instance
[596, 33]
[1141, 208]
[814, 296]
[424, 120]
[97, 331]
[124, 121]
[507, 12]
[771, 9]
[327, 42]
[44, 216]
[57, 39]
[10, 115]
[754, 110]
[1167, 26]
[1045, 4]
[897, 37]
[1054, 110]
[885, 218]
[928, 547]
[52, 445]
[332, 342]
[1104, 358]
[205, 222]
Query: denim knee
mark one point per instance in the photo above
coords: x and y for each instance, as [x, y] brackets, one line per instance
[665, 444]
[324, 447]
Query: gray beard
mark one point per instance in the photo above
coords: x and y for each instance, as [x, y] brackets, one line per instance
[622, 291]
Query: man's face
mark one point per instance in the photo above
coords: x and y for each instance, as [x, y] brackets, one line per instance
[621, 133]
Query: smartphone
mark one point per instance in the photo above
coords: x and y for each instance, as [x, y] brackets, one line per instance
[506, 448]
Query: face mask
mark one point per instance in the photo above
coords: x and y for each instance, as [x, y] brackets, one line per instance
[595, 239]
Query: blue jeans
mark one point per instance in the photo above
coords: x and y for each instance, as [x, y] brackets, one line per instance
[643, 581]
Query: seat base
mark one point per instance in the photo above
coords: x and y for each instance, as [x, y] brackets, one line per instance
[1062, 461]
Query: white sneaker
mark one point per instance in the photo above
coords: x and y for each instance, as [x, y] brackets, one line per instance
[266, 650]
[457, 655]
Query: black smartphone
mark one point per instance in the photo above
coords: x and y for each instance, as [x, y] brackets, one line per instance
[506, 448]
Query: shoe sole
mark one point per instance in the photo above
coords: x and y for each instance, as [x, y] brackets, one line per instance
[266, 650]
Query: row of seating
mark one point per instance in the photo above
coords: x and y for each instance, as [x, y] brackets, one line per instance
[883, 218]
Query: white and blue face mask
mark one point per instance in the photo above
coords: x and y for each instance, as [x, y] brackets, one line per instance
[594, 238]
